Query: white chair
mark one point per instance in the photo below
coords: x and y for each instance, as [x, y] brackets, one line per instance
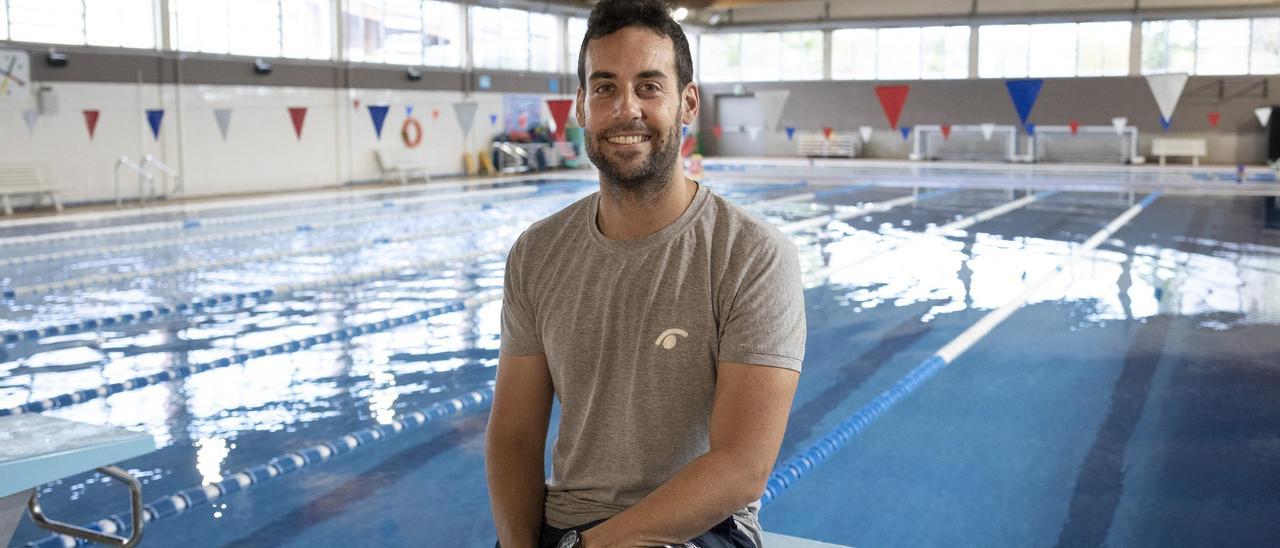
[1169, 146]
[394, 164]
[27, 178]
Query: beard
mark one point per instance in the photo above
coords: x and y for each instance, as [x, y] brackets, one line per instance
[636, 179]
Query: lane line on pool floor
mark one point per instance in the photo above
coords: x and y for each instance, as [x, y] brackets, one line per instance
[796, 467]
[877, 207]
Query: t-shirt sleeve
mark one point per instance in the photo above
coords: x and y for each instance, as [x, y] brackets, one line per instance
[519, 325]
[765, 323]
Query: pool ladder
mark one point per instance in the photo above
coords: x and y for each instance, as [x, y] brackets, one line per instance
[147, 184]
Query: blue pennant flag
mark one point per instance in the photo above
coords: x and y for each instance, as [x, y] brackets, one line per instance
[906, 130]
[1031, 129]
[154, 116]
[1165, 123]
[791, 132]
[684, 131]
[493, 119]
[379, 115]
[1024, 94]
[408, 111]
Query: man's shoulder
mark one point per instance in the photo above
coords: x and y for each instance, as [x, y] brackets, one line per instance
[743, 230]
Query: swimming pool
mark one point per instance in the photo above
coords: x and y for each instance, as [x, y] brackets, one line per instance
[1131, 401]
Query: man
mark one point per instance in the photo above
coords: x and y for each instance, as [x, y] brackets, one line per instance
[668, 322]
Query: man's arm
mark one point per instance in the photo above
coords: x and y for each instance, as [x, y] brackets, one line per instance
[515, 443]
[748, 419]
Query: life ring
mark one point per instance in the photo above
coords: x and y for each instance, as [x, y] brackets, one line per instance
[411, 132]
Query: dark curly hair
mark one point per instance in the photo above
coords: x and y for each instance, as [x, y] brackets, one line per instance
[610, 16]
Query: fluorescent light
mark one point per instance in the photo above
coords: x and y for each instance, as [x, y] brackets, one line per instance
[679, 13]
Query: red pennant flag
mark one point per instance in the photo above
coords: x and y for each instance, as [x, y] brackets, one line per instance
[719, 131]
[946, 131]
[892, 99]
[355, 104]
[1214, 118]
[560, 114]
[827, 132]
[435, 114]
[298, 115]
[91, 121]
[1074, 125]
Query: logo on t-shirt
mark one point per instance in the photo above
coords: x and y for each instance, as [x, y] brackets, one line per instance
[669, 338]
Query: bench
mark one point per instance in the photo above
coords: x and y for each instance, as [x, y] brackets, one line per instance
[396, 163]
[1169, 146]
[27, 178]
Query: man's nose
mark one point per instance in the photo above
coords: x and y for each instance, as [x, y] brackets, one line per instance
[628, 107]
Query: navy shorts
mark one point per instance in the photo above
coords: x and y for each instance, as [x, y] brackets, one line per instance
[725, 534]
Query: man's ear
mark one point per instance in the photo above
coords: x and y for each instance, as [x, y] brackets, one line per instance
[692, 101]
[578, 112]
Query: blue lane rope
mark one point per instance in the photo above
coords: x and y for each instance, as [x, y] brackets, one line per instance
[247, 478]
[72, 398]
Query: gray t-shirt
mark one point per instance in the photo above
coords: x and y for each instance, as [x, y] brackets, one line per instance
[633, 332]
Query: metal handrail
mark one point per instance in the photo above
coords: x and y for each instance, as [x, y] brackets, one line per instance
[178, 186]
[143, 177]
[510, 151]
[135, 503]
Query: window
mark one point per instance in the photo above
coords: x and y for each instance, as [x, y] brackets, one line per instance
[514, 39]
[1104, 49]
[307, 29]
[1265, 56]
[576, 31]
[905, 53]
[1222, 46]
[721, 57]
[1054, 50]
[1168, 46]
[763, 49]
[4, 22]
[443, 46]
[853, 54]
[52, 21]
[401, 32]
[120, 23]
[241, 27]
[801, 55]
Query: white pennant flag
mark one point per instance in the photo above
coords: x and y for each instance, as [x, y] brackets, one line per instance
[466, 113]
[30, 115]
[1263, 114]
[223, 117]
[771, 104]
[865, 132]
[1167, 89]
[987, 131]
[1119, 123]
[754, 132]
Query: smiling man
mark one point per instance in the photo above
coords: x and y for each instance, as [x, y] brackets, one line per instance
[667, 321]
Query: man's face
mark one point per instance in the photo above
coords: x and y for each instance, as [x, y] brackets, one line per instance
[632, 108]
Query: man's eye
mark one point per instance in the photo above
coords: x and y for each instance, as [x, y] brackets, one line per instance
[604, 88]
[651, 88]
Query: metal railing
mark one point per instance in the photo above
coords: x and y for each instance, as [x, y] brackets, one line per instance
[177, 187]
[511, 158]
[144, 179]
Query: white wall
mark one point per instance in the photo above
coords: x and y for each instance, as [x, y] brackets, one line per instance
[260, 153]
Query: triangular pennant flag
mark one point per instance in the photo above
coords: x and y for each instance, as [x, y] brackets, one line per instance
[154, 117]
[688, 145]
[772, 102]
[717, 130]
[684, 131]
[378, 113]
[435, 114]
[408, 111]
[298, 115]
[892, 99]
[865, 133]
[560, 115]
[30, 116]
[1024, 94]
[493, 119]
[91, 121]
[753, 132]
[223, 117]
[1167, 89]
[826, 132]
[946, 131]
[988, 130]
[905, 130]
[466, 113]
[355, 104]
[1263, 114]
[1214, 118]
[791, 133]
[1119, 122]
[1074, 125]
[1031, 130]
